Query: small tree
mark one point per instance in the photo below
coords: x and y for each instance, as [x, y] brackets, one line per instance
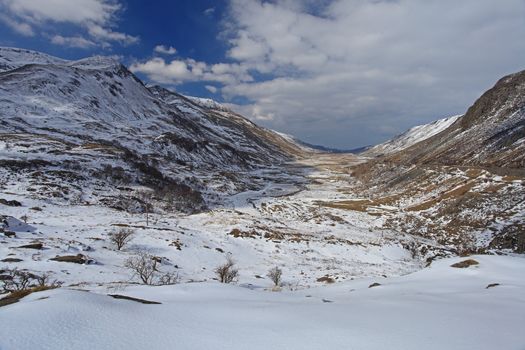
[121, 237]
[227, 273]
[24, 218]
[275, 274]
[145, 199]
[144, 266]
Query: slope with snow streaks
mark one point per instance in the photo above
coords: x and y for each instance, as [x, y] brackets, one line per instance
[96, 105]
[11, 58]
[411, 137]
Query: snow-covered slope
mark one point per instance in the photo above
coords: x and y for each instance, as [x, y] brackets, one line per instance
[411, 137]
[11, 58]
[93, 114]
[435, 309]
[463, 185]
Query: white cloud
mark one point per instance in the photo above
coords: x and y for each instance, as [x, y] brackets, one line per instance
[209, 11]
[105, 34]
[19, 27]
[350, 72]
[211, 88]
[75, 41]
[95, 17]
[179, 71]
[165, 50]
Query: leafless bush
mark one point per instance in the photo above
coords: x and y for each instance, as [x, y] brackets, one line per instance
[121, 237]
[14, 280]
[275, 274]
[169, 278]
[144, 266]
[227, 273]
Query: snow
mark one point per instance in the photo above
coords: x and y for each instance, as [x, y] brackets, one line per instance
[69, 113]
[413, 136]
[437, 308]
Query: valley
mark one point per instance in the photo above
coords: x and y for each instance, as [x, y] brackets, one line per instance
[119, 199]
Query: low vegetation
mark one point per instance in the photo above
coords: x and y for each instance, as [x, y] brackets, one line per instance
[227, 272]
[121, 237]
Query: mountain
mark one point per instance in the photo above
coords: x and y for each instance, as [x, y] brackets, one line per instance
[92, 121]
[490, 134]
[464, 185]
[411, 137]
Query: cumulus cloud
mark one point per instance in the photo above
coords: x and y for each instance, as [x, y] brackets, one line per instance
[211, 88]
[352, 72]
[179, 71]
[95, 18]
[74, 41]
[165, 50]
[19, 27]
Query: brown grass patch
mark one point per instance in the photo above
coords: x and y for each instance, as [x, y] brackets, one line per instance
[15, 296]
[356, 205]
[454, 193]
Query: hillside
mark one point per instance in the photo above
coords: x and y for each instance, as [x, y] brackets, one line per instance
[68, 119]
[464, 185]
[411, 137]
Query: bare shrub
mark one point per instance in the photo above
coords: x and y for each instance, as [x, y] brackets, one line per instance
[24, 218]
[169, 278]
[227, 273]
[145, 199]
[275, 274]
[121, 237]
[14, 280]
[144, 266]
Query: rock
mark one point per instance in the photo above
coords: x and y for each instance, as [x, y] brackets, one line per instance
[465, 263]
[492, 285]
[76, 259]
[374, 285]
[125, 297]
[9, 234]
[326, 279]
[32, 246]
[11, 260]
[12, 203]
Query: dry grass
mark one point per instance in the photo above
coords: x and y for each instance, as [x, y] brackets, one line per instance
[15, 296]
[356, 205]
[454, 193]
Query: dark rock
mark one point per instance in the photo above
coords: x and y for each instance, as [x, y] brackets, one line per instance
[125, 297]
[12, 203]
[465, 263]
[32, 246]
[76, 259]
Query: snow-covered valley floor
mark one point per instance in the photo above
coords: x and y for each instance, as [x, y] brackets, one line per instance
[329, 257]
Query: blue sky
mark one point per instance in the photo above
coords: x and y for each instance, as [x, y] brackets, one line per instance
[341, 73]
